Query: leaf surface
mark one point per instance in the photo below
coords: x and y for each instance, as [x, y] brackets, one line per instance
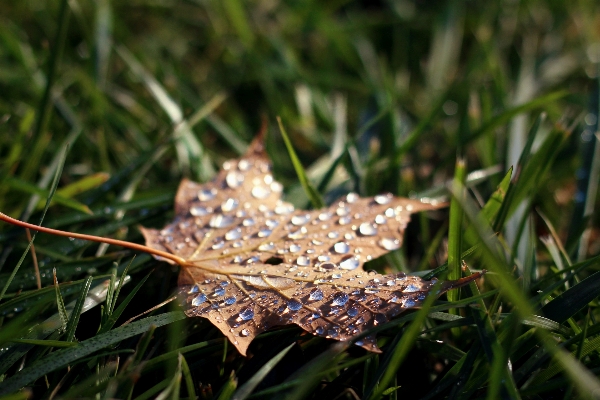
[250, 261]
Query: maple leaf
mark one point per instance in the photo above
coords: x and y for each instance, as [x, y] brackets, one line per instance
[250, 261]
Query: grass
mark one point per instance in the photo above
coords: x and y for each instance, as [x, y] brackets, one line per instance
[127, 98]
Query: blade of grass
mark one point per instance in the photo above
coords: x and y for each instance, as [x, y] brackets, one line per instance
[311, 192]
[406, 342]
[64, 357]
[48, 200]
[246, 389]
[77, 310]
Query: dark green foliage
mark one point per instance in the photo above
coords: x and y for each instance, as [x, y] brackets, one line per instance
[374, 97]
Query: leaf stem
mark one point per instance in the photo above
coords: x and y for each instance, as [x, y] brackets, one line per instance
[92, 238]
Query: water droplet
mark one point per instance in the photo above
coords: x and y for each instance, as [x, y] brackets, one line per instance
[409, 303]
[243, 165]
[246, 314]
[333, 235]
[383, 198]
[233, 234]
[352, 312]
[380, 220]
[294, 248]
[230, 300]
[339, 299]
[324, 216]
[323, 258]
[221, 221]
[271, 223]
[201, 298]
[336, 276]
[390, 213]
[230, 204]
[389, 243]
[266, 246]
[299, 234]
[248, 222]
[350, 263]
[206, 194]
[234, 179]
[294, 305]
[300, 219]
[198, 211]
[218, 245]
[341, 247]
[264, 232]
[260, 192]
[284, 208]
[220, 291]
[316, 295]
[244, 332]
[223, 283]
[327, 265]
[194, 289]
[303, 261]
[351, 197]
[345, 220]
[319, 330]
[276, 187]
[411, 288]
[342, 211]
[367, 229]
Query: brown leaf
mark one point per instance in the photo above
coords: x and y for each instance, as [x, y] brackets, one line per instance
[250, 261]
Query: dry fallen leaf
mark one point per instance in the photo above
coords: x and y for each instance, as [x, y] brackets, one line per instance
[250, 261]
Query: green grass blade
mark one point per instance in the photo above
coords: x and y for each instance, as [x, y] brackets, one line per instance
[48, 201]
[246, 389]
[64, 357]
[62, 311]
[311, 192]
[76, 313]
[455, 229]
[407, 341]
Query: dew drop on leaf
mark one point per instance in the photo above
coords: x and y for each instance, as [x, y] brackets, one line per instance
[383, 199]
[367, 229]
[352, 312]
[230, 300]
[198, 211]
[300, 219]
[221, 221]
[339, 299]
[341, 247]
[350, 263]
[233, 234]
[201, 298]
[294, 248]
[303, 261]
[230, 204]
[319, 330]
[266, 246]
[246, 314]
[316, 295]
[220, 291]
[244, 332]
[260, 192]
[294, 305]
[389, 243]
[234, 179]
[206, 194]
